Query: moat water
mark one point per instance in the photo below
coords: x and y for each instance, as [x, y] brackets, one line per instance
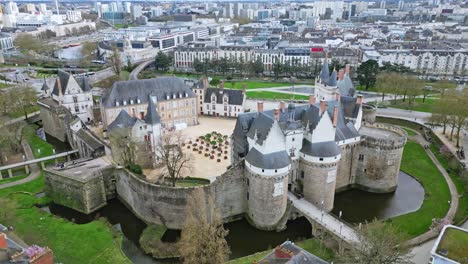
[360, 206]
[243, 239]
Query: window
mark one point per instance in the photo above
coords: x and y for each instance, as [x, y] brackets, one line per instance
[75, 99]
[263, 170]
[361, 157]
[77, 109]
[302, 174]
[247, 196]
[293, 139]
[321, 159]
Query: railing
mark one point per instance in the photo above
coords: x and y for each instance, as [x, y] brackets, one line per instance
[28, 162]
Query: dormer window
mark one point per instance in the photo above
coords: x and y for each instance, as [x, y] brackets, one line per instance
[131, 101]
[124, 102]
[138, 101]
[117, 103]
[180, 95]
[186, 94]
[174, 96]
[168, 97]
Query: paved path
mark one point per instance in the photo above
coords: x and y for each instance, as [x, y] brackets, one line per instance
[33, 161]
[35, 171]
[139, 68]
[325, 219]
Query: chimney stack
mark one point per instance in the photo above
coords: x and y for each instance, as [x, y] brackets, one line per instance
[338, 96]
[260, 106]
[348, 68]
[59, 86]
[244, 88]
[311, 99]
[323, 106]
[341, 74]
[283, 106]
[335, 116]
[221, 85]
[359, 99]
[277, 114]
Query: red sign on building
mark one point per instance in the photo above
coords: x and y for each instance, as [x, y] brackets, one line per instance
[316, 49]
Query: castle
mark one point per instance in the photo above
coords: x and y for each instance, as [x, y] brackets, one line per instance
[314, 150]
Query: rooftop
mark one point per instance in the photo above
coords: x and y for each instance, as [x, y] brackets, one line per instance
[378, 133]
[289, 253]
[452, 244]
[81, 170]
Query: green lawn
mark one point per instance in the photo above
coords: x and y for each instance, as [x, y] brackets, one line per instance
[30, 110]
[36, 143]
[274, 95]
[12, 179]
[416, 163]
[3, 85]
[71, 243]
[254, 84]
[410, 132]
[455, 242]
[311, 245]
[417, 105]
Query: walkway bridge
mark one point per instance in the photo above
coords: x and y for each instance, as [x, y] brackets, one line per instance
[322, 221]
[34, 161]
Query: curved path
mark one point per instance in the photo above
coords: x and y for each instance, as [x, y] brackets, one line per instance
[35, 171]
[139, 68]
[453, 193]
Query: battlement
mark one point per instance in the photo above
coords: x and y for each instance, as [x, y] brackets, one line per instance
[383, 135]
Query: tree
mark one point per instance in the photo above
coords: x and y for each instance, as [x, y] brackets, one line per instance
[115, 61]
[203, 236]
[223, 66]
[278, 68]
[162, 61]
[256, 66]
[7, 210]
[88, 50]
[28, 43]
[169, 152]
[123, 146]
[25, 97]
[367, 73]
[380, 243]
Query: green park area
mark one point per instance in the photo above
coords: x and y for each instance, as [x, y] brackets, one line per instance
[39, 147]
[416, 105]
[274, 95]
[94, 242]
[311, 245]
[13, 179]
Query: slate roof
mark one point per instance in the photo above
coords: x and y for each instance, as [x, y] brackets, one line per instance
[299, 256]
[346, 86]
[235, 97]
[64, 78]
[260, 127]
[123, 120]
[332, 80]
[152, 117]
[275, 160]
[140, 89]
[324, 73]
[321, 149]
[45, 87]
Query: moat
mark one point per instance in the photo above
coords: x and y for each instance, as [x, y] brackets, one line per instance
[357, 206]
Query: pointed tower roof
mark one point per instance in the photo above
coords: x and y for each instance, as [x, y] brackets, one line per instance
[332, 80]
[325, 73]
[152, 116]
[123, 120]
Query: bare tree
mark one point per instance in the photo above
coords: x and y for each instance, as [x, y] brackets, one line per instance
[115, 61]
[123, 146]
[380, 243]
[203, 236]
[25, 97]
[169, 152]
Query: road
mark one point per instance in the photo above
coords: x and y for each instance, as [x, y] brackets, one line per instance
[139, 68]
[101, 75]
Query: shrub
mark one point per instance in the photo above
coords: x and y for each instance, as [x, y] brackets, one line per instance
[135, 168]
[219, 160]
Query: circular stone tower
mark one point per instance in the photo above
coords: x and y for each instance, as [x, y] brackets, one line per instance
[267, 188]
[377, 159]
[317, 170]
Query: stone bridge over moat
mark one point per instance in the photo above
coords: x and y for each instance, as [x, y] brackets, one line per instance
[321, 221]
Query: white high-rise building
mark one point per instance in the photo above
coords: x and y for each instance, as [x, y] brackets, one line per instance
[382, 4]
[127, 7]
[43, 8]
[30, 8]
[229, 10]
[401, 5]
[73, 16]
[137, 11]
[113, 7]
[237, 8]
[156, 11]
[11, 8]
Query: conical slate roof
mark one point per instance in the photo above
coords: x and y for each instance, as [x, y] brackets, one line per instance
[123, 120]
[332, 80]
[152, 117]
[45, 87]
[325, 73]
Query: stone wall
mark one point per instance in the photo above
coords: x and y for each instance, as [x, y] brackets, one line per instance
[344, 175]
[319, 183]
[166, 205]
[267, 199]
[369, 113]
[84, 196]
[53, 121]
[379, 167]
